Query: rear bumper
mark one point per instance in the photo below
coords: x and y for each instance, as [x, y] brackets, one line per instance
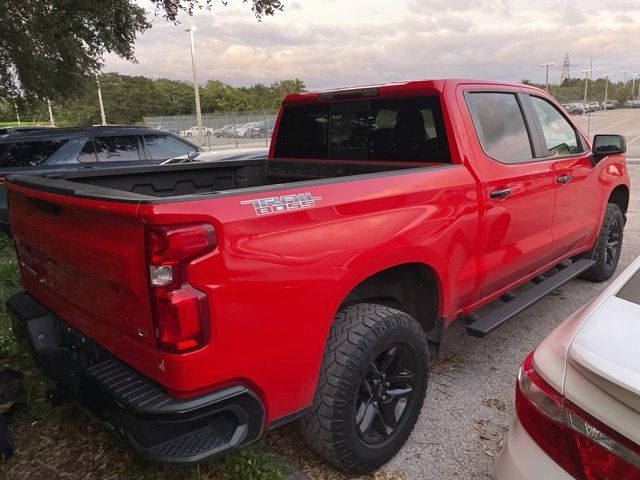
[522, 459]
[155, 425]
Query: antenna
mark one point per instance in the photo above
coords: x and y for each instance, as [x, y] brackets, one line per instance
[566, 68]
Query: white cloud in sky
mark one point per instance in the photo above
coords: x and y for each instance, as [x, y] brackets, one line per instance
[330, 43]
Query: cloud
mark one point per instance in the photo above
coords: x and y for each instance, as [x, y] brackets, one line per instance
[331, 44]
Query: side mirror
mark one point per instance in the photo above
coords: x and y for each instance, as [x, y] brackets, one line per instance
[604, 145]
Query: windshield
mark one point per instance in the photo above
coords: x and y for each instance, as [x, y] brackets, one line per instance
[405, 129]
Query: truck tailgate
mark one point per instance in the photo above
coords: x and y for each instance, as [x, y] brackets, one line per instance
[85, 261]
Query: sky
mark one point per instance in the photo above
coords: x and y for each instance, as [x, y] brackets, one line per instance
[333, 43]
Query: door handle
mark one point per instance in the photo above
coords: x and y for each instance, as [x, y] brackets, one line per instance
[500, 192]
[565, 178]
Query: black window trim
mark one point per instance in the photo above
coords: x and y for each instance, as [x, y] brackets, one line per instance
[95, 156]
[534, 138]
[536, 121]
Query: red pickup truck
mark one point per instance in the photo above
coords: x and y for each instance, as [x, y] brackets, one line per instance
[193, 306]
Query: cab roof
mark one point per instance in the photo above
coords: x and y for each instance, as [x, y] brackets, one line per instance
[372, 91]
[53, 133]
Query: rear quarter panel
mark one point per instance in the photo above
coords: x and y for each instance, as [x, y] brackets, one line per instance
[276, 281]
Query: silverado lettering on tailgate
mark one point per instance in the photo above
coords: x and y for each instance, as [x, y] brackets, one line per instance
[284, 203]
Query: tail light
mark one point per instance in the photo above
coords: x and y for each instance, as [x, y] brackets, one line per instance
[585, 447]
[179, 310]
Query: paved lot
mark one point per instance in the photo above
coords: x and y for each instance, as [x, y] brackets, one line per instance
[469, 402]
[625, 121]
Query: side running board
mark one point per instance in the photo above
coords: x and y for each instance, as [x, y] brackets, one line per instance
[479, 327]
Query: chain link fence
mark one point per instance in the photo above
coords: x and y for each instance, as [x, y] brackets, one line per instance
[598, 104]
[221, 130]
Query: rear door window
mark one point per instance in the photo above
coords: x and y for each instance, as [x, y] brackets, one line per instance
[116, 148]
[407, 129]
[500, 125]
[162, 147]
[28, 154]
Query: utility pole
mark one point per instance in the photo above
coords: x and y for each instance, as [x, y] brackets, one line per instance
[103, 117]
[196, 90]
[546, 74]
[586, 83]
[50, 113]
[566, 68]
[606, 88]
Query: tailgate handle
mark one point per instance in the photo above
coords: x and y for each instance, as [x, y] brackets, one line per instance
[46, 206]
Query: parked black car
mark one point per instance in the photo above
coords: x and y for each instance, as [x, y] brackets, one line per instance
[54, 149]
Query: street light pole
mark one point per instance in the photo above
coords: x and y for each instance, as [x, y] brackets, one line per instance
[50, 113]
[546, 75]
[586, 83]
[196, 90]
[103, 117]
[606, 88]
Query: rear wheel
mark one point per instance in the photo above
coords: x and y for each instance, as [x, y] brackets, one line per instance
[370, 389]
[606, 251]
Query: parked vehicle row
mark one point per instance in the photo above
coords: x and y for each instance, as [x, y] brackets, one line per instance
[212, 301]
[580, 108]
[261, 129]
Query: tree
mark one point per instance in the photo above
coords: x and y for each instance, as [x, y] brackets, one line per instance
[50, 48]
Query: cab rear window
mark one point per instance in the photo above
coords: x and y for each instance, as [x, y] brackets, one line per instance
[631, 290]
[407, 129]
[27, 154]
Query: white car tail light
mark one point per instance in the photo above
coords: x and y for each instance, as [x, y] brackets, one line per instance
[582, 445]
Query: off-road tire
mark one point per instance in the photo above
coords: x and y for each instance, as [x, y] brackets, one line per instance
[356, 336]
[603, 269]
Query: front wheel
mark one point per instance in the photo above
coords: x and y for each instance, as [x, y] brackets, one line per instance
[370, 389]
[606, 251]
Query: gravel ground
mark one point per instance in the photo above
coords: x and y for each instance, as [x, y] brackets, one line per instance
[469, 402]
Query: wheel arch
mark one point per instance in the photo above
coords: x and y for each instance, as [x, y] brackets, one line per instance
[620, 196]
[412, 287]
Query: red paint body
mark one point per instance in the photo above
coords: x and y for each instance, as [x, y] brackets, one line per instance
[274, 283]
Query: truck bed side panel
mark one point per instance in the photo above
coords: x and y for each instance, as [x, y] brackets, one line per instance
[278, 277]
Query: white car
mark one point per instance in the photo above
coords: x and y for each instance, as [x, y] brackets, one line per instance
[578, 395]
[193, 132]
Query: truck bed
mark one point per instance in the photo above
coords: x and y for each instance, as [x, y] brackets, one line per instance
[147, 183]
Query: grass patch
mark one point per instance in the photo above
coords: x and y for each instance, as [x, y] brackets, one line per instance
[9, 284]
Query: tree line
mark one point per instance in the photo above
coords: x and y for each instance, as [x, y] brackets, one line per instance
[572, 90]
[127, 99]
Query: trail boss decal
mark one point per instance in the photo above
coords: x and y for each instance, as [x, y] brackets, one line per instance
[285, 203]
